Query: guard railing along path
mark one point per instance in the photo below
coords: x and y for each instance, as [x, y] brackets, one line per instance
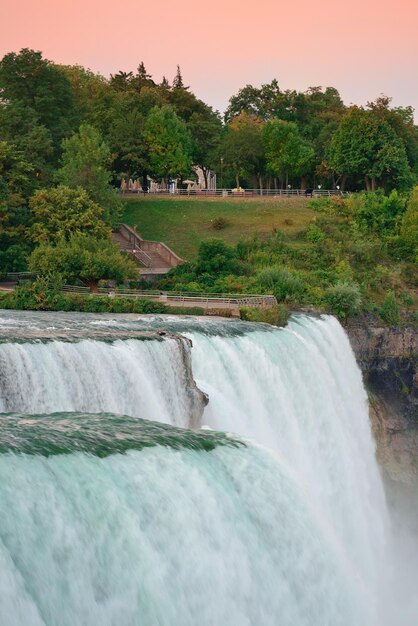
[177, 298]
[239, 193]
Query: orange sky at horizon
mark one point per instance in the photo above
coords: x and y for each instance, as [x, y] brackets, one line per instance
[363, 48]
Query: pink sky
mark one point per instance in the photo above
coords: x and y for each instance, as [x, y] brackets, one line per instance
[361, 47]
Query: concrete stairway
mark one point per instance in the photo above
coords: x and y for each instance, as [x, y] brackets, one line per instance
[153, 257]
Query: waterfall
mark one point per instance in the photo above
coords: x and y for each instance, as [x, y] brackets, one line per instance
[147, 379]
[287, 528]
[299, 392]
[166, 537]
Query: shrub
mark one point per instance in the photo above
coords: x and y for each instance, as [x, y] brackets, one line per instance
[409, 227]
[276, 315]
[406, 298]
[216, 256]
[314, 234]
[344, 299]
[83, 257]
[219, 223]
[390, 312]
[285, 284]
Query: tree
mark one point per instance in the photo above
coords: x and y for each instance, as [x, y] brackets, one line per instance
[93, 97]
[142, 78]
[178, 80]
[40, 87]
[82, 257]
[62, 212]
[130, 153]
[206, 131]
[84, 164]
[169, 144]
[242, 147]
[16, 182]
[19, 126]
[409, 227]
[401, 119]
[287, 153]
[122, 81]
[365, 145]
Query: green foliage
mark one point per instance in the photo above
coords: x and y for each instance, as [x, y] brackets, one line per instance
[344, 299]
[286, 285]
[169, 144]
[242, 147]
[286, 151]
[16, 181]
[366, 145]
[219, 223]
[377, 212]
[82, 257]
[390, 312]
[41, 90]
[216, 256]
[409, 227]
[205, 127]
[84, 164]
[276, 315]
[314, 234]
[61, 212]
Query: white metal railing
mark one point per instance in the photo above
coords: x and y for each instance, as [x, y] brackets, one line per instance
[198, 298]
[231, 193]
[141, 256]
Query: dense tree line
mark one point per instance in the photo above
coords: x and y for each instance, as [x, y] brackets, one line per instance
[68, 136]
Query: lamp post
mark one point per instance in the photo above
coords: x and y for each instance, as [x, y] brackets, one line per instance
[222, 176]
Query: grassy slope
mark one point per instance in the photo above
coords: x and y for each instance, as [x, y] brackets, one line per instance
[182, 223]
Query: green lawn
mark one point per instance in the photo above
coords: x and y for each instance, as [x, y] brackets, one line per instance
[182, 223]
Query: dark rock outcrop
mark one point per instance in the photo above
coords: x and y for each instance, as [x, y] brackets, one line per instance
[388, 359]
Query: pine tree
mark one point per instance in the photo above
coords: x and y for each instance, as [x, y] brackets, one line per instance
[178, 80]
[142, 74]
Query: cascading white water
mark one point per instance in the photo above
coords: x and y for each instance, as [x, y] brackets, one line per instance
[287, 531]
[140, 378]
[299, 392]
[166, 538]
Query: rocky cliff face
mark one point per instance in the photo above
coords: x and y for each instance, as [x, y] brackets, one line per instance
[388, 358]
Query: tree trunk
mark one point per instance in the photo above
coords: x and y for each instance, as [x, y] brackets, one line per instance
[237, 180]
[144, 182]
[373, 183]
[205, 176]
[260, 180]
[93, 285]
[303, 184]
[343, 181]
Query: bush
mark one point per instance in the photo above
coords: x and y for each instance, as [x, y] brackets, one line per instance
[219, 223]
[216, 256]
[344, 299]
[285, 284]
[276, 315]
[314, 234]
[409, 228]
[83, 257]
[390, 312]
[407, 299]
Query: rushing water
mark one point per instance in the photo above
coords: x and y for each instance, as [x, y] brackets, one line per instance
[110, 519]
